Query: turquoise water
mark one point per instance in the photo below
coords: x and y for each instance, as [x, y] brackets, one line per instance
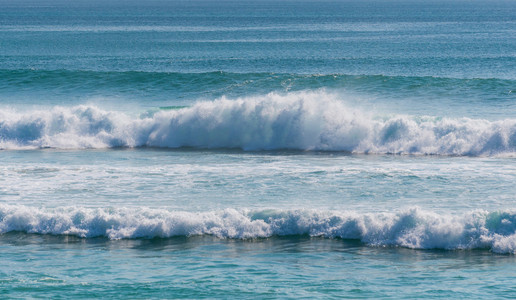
[284, 267]
[284, 149]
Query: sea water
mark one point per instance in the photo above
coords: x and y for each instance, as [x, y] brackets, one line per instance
[257, 149]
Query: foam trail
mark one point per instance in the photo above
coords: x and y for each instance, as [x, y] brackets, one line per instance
[299, 121]
[411, 228]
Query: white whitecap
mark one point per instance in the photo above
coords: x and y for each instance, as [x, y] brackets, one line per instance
[298, 121]
[411, 228]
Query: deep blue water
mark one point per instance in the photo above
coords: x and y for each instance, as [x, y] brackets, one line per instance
[261, 149]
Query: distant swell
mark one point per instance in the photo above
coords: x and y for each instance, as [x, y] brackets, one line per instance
[220, 83]
[298, 121]
[412, 228]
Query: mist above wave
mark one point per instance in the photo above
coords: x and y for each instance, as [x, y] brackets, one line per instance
[298, 121]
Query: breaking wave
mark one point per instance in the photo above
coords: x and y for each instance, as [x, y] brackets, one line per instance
[411, 228]
[298, 121]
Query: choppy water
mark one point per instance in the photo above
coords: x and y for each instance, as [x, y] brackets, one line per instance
[257, 149]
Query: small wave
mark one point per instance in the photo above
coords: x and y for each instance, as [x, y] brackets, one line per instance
[411, 228]
[215, 83]
[302, 121]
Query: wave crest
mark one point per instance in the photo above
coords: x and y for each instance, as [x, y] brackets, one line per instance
[412, 228]
[298, 121]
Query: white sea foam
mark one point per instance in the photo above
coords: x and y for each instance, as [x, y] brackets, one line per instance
[411, 228]
[300, 121]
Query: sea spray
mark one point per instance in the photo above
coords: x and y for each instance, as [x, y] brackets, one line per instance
[298, 121]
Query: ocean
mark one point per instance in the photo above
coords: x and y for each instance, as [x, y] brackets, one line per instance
[257, 149]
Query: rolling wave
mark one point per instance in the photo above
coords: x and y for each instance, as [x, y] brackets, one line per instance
[305, 121]
[240, 84]
[411, 228]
